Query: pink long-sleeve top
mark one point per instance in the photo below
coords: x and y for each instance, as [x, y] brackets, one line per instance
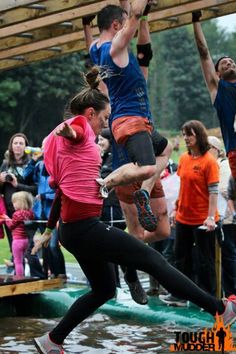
[16, 224]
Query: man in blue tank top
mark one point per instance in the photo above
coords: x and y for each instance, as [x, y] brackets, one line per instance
[221, 83]
[130, 121]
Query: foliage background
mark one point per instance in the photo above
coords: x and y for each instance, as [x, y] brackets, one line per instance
[33, 98]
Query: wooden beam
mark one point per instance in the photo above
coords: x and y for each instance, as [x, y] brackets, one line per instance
[155, 16]
[29, 287]
[41, 34]
[185, 19]
[53, 19]
[10, 4]
[42, 55]
[155, 25]
[181, 9]
[46, 44]
[51, 7]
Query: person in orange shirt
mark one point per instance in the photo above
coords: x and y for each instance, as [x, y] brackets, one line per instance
[196, 207]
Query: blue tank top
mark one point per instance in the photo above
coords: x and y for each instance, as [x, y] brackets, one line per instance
[225, 104]
[119, 155]
[126, 86]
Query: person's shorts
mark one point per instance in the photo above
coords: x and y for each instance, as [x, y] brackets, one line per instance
[141, 141]
[126, 193]
[232, 162]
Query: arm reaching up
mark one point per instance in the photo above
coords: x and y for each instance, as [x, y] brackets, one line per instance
[208, 68]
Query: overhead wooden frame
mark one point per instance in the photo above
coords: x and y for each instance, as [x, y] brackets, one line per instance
[36, 30]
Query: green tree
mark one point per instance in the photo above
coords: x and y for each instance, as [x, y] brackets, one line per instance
[37, 94]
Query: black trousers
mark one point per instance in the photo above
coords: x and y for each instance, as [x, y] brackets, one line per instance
[195, 255]
[229, 259]
[96, 246]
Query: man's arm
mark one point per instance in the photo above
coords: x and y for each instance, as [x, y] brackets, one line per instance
[122, 39]
[208, 68]
[144, 48]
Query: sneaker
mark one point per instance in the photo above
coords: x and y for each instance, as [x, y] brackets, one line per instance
[152, 292]
[229, 315]
[145, 215]
[45, 346]
[173, 301]
[137, 292]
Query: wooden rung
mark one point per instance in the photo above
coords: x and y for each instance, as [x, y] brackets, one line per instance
[29, 287]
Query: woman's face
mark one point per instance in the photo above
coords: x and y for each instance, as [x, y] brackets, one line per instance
[103, 143]
[99, 120]
[18, 146]
[190, 140]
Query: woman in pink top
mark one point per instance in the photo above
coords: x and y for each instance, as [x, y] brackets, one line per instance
[22, 202]
[73, 161]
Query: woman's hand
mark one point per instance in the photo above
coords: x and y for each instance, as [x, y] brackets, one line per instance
[5, 179]
[210, 224]
[173, 218]
[4, 217]
[40, 241]
[14, 181]
[66, 131]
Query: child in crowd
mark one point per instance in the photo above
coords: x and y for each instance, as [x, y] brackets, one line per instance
[22, 202]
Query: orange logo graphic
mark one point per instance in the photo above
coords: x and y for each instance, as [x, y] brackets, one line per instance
[218, 339]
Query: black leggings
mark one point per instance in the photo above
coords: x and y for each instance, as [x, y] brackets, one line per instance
[95, 245]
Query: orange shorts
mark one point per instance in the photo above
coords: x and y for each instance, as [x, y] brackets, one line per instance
[232, 162]
[126, 193]
[124, 127]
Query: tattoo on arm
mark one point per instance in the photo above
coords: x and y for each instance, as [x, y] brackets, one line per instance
[202, 49]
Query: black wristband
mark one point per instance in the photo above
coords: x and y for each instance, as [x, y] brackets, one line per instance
[196, 15]
[147, 10]
[88, 19]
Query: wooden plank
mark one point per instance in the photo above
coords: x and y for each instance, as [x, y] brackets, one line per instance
[57, 30]
[53, 19]
[24, 288]
[155, 26]
[155, 16]
[10, 4]
[182, 9]
[51, 6]
[185, 19]
[41, 34]
[68, 48]
[46, 44]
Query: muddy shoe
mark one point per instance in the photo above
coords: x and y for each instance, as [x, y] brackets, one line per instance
[137, 292]
[45, 346]
[173, 301]
[229, 315]
[145, 215]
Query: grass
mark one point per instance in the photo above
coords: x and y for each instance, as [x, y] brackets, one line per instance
[5, 252]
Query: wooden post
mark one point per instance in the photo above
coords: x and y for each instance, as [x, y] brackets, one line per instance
[218, 266]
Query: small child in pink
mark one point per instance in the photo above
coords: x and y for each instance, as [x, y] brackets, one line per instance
[22, 202]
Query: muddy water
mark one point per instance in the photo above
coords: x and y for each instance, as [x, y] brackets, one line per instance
[97, 335]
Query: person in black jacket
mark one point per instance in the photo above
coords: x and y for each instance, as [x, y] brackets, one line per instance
[112, 213]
